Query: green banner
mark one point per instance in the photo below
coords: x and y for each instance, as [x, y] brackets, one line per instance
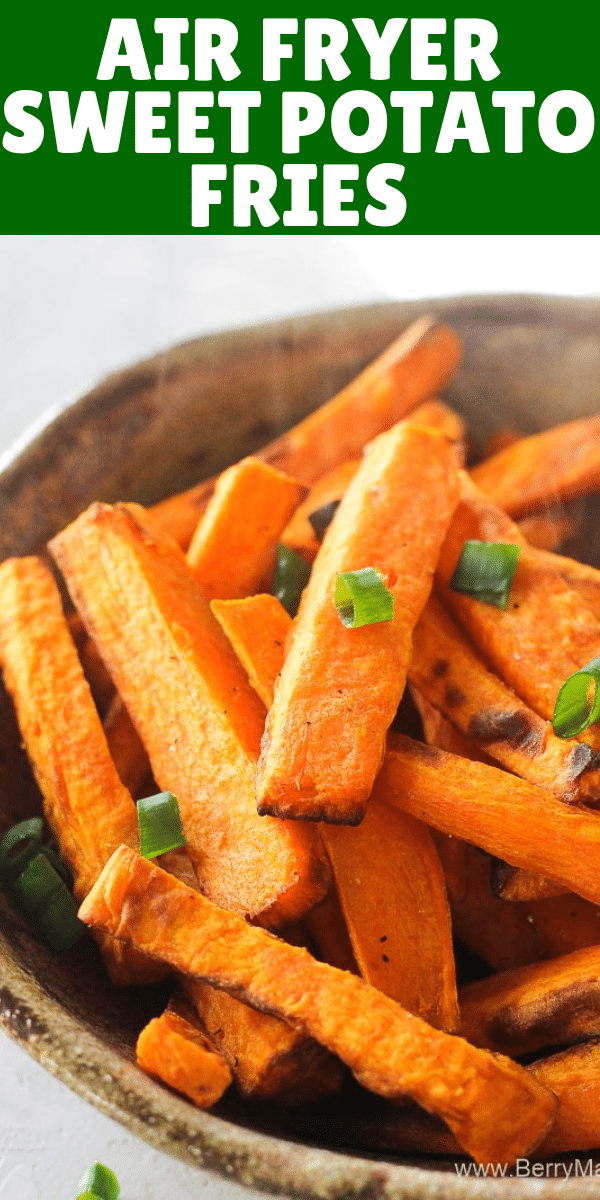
[279, 120]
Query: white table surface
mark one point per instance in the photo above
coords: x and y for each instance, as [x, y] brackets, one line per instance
[73, 309]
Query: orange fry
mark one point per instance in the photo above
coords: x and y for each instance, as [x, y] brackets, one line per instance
[495, 1109]
[232, 552]
[558, 464]
[503, 814]
[199, 719]
[323, 744]
[417, 365]
[544, 1004]
[174, 1048]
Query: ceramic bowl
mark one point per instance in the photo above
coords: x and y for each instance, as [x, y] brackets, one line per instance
[157, 428]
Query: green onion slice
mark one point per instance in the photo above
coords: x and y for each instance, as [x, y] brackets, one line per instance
[485, 570]
[291, 577]
[160, 825]
[322, 517]
[362, 598]
[578, 702]
[44, 897]
[99, 1182]
[18, 846]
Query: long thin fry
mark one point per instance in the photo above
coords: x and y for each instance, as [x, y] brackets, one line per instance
[506, 816]
[493, 1107]
[88, 809]
[544, 1004]
[318, 760]
[417, 365]
[199, 719]
[558, 464]
[257, 628]
[547, 631]
[447, 670]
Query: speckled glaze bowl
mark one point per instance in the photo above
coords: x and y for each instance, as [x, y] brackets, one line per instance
[157, 428]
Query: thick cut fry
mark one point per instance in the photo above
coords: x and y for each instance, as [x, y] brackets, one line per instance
[257, 628]
[558, 464]
[574, 1077]
[323, 743]
[299, 534]
[506, 816]
[193, 707]
[449, 673]
[268, 1059]
[232, 552]
[545, 1004]
[391, 888]
[87, 807]
[493, 1107]
[397, 915]
[126, 748]
[417, 365]
[174, 1048]
[546, 633]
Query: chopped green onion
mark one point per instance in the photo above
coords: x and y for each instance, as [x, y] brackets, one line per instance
[45, 898]
[322, 517]
[291, 577]
[160, 825]
[99, 1183]
[485, 570]
[578, 702]
[362, 598]
[18, 846]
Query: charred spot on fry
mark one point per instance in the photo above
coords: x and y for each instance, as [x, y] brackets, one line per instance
[582, 758]
[512, 727]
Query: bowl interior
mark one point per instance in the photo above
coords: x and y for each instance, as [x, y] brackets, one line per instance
[146, 432]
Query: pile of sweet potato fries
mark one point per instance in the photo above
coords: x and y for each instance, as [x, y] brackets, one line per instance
[307, 809]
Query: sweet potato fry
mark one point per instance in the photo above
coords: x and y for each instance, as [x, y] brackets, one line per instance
[330, 933]
[126, 748]
[546, 633]
[87, 807]
[318, 760]
[232, 552]
[268, 1059]
[415, 366]
[546, 531]
[257, 628]
[513, 883]
[544, 1004]
[577, 575]
[447, 670]
[175, 1048]
[506, 816]
[510, 935]
[574, 1077]
[199, 719]
[299, 534]
[558, 464]
[391, 888]
[397, 916]
[493, 1107]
